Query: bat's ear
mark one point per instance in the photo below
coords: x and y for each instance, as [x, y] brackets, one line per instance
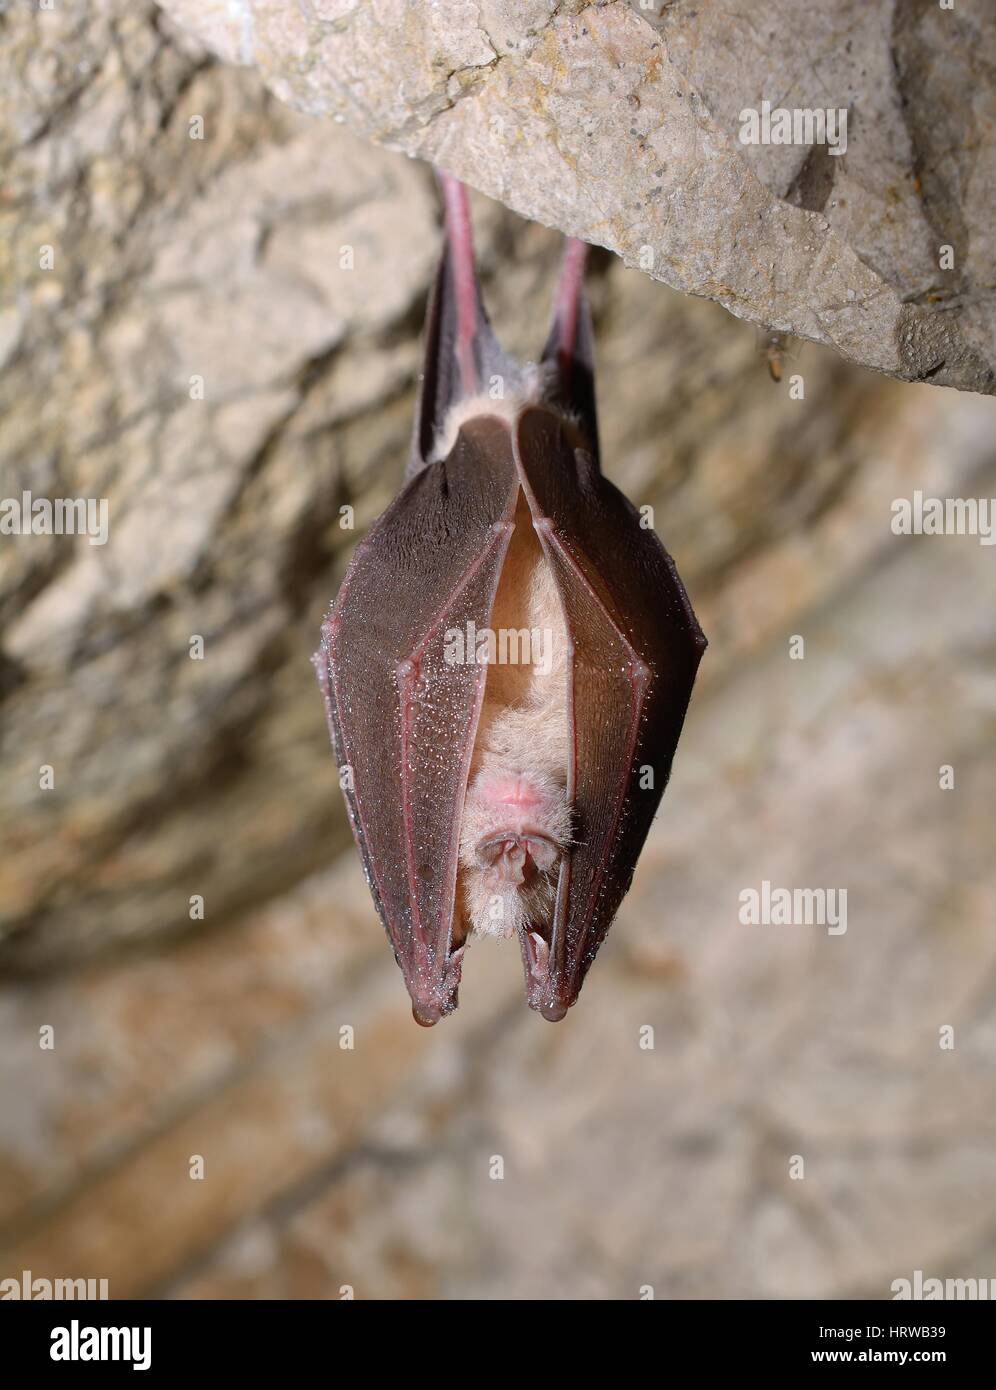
[569, 355]
[462, 355]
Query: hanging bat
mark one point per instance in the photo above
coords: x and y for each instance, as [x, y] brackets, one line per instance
[508, 662]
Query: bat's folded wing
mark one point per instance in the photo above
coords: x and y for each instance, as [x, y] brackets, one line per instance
[403, 706]
[635, 648]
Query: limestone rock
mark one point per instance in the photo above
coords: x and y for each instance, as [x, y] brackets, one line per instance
[621, 124]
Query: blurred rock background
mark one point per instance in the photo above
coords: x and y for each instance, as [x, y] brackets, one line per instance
[222, 259]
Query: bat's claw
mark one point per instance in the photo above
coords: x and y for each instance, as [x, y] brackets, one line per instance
[536, 957]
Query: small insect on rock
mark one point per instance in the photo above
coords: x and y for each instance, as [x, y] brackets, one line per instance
[507, 795]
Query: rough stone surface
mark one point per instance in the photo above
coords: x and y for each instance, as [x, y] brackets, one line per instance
[620, 123]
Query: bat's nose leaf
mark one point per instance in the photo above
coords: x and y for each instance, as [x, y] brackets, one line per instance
[553, 1013]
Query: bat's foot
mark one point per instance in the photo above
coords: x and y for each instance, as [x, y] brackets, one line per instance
[536, 957]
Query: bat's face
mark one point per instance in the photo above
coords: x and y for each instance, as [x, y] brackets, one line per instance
[506, 666]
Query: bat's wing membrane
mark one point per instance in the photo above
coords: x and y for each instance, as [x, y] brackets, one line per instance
[403, 714]
[635, 648]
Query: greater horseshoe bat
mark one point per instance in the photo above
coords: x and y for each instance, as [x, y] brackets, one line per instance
[508, 662]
